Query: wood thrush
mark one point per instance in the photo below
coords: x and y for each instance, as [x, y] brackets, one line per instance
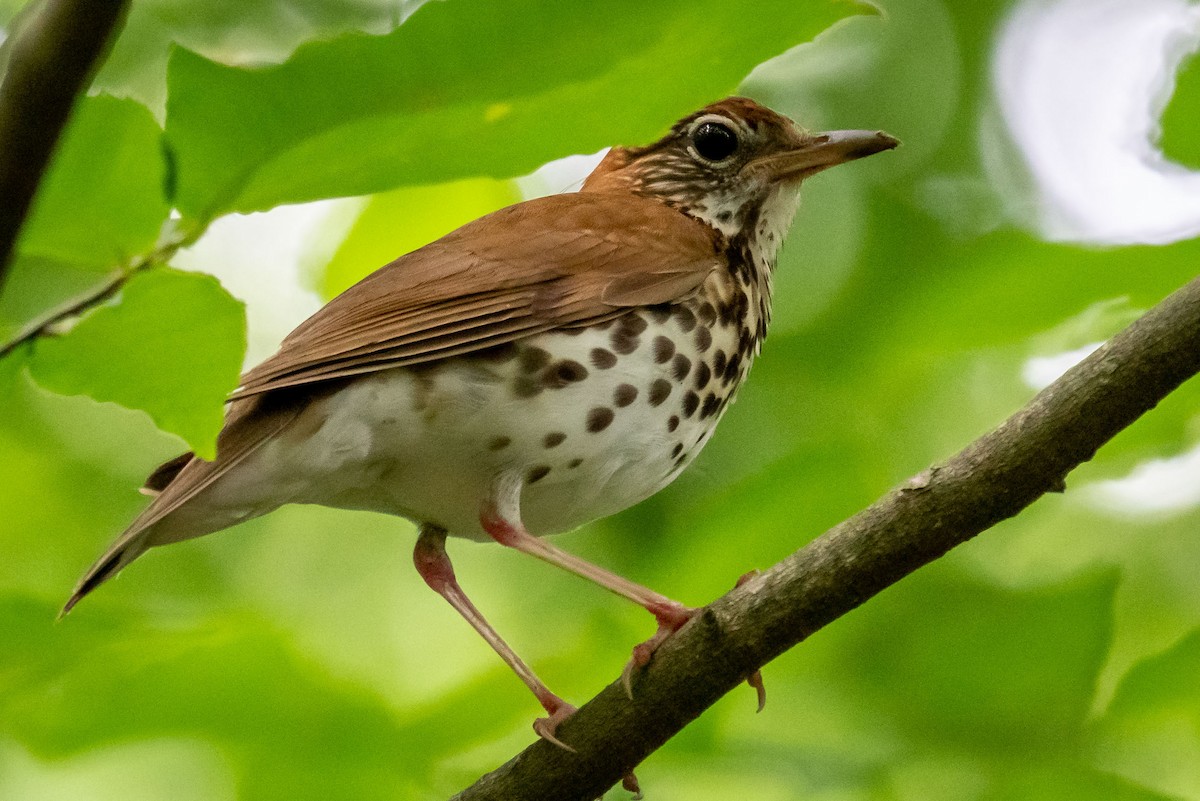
[546, 365]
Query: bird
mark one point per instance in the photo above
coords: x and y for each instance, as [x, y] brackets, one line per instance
[544, 366]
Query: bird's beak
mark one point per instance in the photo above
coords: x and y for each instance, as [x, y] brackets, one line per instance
[816, 152]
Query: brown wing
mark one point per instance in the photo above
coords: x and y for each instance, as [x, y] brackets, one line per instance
[557, 261]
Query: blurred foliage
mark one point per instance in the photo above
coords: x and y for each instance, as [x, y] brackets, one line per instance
[358, 114]
[179, 373]
[1181, 125]
[299, 657]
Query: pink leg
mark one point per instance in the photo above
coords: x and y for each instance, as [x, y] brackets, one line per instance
[433, 563]
[670, 615]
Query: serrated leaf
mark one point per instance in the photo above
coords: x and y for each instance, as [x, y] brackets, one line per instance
[170, 345]
[103, 199]
[461, 90]
[244, 32]
[36, 286]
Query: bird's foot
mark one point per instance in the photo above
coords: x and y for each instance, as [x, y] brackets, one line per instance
[755, 679]
[547, 727]
[671, 619]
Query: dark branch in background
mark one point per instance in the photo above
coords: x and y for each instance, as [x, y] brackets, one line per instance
[52, 56]
[992, 479]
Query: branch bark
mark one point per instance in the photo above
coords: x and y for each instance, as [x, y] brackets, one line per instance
[992, 479]
[52, 58]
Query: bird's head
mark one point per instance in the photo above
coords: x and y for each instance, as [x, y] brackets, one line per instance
[735, 164]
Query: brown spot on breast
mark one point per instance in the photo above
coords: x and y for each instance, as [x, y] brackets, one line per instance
[676, 450]
[499, 443]
[703, 375]
[672, 423]
[624, 342]
[571, 465]
[664, 349]
[708, 315]
[690, 401]
[624, 395]
[745, 341]
[554, 439]
[685, 318]
[526, 386]
[568, 371]
[633, 324]
[659, 390]
[602, 358]
[703, 338]
[680, 367]
[731, 369]
[711, 403]
[660, 313]
[536, 474]
[718, 366]
[599, 418]
[533, 359]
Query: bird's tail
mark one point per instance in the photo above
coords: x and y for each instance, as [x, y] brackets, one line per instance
[122, 553]
[177, 485]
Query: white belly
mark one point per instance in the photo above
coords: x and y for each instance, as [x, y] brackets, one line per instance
[587, 436]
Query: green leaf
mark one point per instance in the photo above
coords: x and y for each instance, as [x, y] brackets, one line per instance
[1151, 732]
[1181, 119]
[36, 286]
[244, 32]
[985, 668]
[103, 199]
[459, 90]
[171, 345]
[289, 729]
[395, 223]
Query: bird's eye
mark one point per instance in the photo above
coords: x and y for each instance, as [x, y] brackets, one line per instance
[714, 141]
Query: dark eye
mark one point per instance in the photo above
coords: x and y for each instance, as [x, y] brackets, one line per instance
[714, 141]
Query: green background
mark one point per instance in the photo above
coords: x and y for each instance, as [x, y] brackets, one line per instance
[300, 657]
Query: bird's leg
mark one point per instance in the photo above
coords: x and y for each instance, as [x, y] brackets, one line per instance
[433, 563]
[670, 615]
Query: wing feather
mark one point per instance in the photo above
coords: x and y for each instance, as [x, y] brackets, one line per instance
[564, 260]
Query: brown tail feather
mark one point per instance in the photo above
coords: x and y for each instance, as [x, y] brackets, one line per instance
[250, 424]
[165, 473]
[104, 569]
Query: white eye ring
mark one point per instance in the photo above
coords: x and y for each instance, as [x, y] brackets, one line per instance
[713, 139]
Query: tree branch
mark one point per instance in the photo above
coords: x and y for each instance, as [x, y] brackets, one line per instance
[992, 479]
[53, 55]
[60, 315]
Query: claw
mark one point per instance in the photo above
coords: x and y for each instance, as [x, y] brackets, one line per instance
[670, 620]
[547, 727]
[630, 783]
[755, 679]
